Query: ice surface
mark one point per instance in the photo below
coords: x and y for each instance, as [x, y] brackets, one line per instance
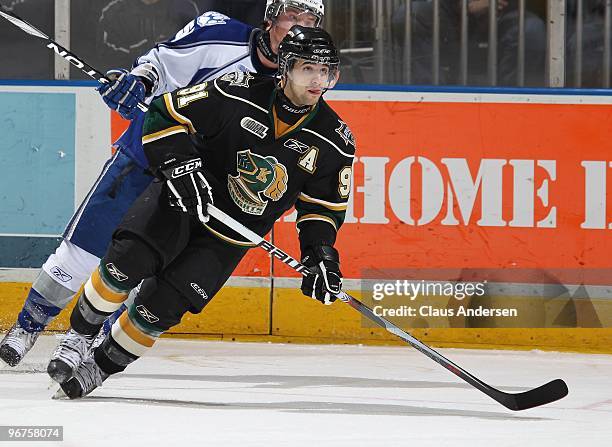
[257, 394]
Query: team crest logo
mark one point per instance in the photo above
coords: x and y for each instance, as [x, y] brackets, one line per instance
[259, 179]
[208, 19]
[254, 126]
[296, 145]
[238, 78]
[346, 133]
[212, 18]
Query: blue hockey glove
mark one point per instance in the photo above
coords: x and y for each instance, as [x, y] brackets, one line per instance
[188, 190]
[325, 280]
[123, 93]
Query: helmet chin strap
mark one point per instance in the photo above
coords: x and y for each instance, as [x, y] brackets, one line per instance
[265, 46]
[289, 106]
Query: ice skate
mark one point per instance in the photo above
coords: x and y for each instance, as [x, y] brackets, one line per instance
[16, 344]
[87, 377]
[69, 355]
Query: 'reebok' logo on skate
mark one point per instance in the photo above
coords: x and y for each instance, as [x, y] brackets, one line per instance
[259, 179]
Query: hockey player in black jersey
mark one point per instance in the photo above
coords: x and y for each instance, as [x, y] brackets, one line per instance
[206, 48]
[255, 147]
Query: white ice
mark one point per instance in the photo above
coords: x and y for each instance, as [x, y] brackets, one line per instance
[255, 394]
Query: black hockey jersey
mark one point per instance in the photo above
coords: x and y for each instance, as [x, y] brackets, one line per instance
[258, 167]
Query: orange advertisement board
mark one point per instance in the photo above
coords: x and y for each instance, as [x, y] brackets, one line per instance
[472, 181]
[475, 184]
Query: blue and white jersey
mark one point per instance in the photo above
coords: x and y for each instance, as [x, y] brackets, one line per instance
[207, 47]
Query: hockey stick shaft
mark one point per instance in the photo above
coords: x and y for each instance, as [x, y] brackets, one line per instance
[547, 393]
[58, 49]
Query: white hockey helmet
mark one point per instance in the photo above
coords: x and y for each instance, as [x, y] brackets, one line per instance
[274, 8]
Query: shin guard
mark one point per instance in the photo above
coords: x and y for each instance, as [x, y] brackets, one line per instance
[129, 339]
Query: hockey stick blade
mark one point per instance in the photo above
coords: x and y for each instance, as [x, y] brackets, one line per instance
[542, 395]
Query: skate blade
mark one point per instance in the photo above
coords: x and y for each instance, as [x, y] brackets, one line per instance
[52, 384]
[59, 395]
[4, 365]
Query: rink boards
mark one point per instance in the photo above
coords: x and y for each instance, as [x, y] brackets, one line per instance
[448, 179]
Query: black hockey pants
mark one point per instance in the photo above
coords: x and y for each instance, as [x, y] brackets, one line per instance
[183, 264]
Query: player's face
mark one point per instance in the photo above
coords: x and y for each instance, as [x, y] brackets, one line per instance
[307, 81]
[293, 16]
[283, 23]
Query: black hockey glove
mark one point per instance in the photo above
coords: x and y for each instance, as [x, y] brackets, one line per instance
[325, 279]
[188, 190]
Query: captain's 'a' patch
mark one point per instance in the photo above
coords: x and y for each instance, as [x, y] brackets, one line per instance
[308, 161]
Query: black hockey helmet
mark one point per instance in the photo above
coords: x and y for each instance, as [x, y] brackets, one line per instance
[311, 44]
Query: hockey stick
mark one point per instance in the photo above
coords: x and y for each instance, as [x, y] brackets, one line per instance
[541, 395]
[58, 49]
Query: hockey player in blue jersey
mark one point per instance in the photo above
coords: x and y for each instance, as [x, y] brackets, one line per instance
[209, 46]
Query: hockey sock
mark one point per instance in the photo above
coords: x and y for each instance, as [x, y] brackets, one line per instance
[101, 297]
[108, 323]
[131, 336]
[37, 312]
